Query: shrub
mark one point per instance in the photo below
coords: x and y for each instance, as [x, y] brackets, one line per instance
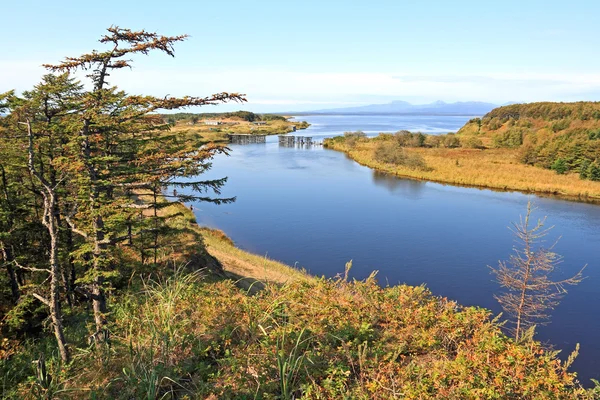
[393, 153]
[593, 172]
[524, 123]
[584, 169]
[408, 139]
[528, 154]
[594, 134]
[511, 138]
[351, 138]
[450, 141]
[475, 121]
[434, 140]
[560, 166]
[494, 124]
[356, 134]
[471, 142]
[561, 125]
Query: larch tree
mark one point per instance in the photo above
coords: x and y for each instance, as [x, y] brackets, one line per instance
[529, 290]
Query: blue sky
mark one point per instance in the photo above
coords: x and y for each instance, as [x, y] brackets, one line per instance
[302, 55]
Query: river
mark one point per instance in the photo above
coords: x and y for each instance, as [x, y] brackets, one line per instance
[317, 209]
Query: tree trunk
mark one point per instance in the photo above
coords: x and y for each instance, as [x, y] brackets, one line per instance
[72, 273]
[98, 297]
[49, 222]
[54, 303]
[12, 276]
[154, 190]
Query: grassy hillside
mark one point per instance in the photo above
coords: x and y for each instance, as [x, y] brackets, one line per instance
[189, 336]
[564, 137]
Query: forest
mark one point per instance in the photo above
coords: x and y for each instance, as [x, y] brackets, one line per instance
[242, 115]
[109, 288]
[563, 137]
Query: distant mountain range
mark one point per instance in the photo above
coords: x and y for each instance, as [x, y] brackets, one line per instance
[403, 107]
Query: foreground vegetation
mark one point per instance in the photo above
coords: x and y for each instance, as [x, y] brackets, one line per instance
[188, 335]
[477, 158]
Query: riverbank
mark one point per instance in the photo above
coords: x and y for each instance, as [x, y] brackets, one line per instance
[484, 168]
[212, 249]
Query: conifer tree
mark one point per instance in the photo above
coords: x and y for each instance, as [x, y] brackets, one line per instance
[36, 124]
[74, 165]
[122, 147]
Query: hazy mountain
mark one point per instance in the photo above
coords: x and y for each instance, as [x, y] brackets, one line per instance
[403, 107]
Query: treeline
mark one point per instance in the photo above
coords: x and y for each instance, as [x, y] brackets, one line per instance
[241, 115]
[82, 174]
[547, 111]
[564, 137]
[405, 138]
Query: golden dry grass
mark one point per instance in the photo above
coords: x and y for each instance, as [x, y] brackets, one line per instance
[245, 264]
[489, 168]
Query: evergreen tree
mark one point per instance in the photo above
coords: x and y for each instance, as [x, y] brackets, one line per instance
[593, 172]
[560, 166]
[35, 123]
[75, 165]
[584, 169]
[123, 147]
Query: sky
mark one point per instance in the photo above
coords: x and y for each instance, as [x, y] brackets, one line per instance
[293, 55]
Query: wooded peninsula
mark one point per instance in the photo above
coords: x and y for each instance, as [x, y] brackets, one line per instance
[546, 148]
[215, 127]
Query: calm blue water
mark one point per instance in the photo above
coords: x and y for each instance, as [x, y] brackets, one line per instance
[317, 209]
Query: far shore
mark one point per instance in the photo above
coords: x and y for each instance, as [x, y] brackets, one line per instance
[496, 169]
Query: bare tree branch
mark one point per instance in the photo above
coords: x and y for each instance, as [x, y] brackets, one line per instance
[530, 293]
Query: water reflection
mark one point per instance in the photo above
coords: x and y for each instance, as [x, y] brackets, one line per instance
[409, 188]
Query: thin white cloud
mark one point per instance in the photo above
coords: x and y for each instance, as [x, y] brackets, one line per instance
[340, 87]
[530, 79]
[288, 88]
